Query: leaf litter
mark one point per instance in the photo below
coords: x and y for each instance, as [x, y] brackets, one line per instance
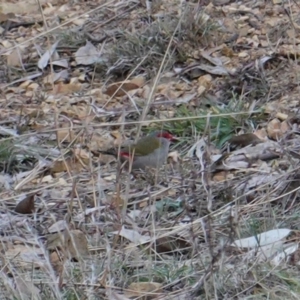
[73, 223]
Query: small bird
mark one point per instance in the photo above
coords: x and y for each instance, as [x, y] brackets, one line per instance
[150, 151]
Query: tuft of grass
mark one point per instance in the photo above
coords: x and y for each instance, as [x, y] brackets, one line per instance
[146, 48]
[220, 127]
[7, 156]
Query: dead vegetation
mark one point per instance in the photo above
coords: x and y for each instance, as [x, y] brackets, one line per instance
[219, 220]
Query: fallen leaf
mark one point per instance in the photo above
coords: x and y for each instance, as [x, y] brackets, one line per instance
[58, 226]
[72, 243]
[121, 88]
[66, 135]
[44, 60]
[112, 295]
[133, 236]
[3, 17]
[25, 256]
[57, 262]
[262, 239]
[67, 88]
[87, 55]
[244, 140]
[274, 130]
[54, 77]
[26, 206]
[174, 156]
[26, 288]
[77, 244]
[142, 289]
[14, 59]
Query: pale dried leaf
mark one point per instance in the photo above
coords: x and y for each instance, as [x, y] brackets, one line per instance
[87, 55]
[54, 77]
[44, 60]
[58, 226]
[61, 63]
[14, 59]
[140, 289]
[77, 244]
[133, 236]
[262, 239]
[115, 296]
[287, 250]
[27, 289]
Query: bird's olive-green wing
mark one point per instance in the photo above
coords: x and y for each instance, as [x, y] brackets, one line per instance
[144, 146]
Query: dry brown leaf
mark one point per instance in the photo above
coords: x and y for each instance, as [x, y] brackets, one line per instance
[6, 44]
[25, 256]
[72, 243]
[25, 84]
[77, 244]
[101, 140]
[68, 164]
[285, 127]
[200, 90]
[60, 166]
[3, 17]
[106, 159]
[33, 87]
[26, 206]
[65, 135]
[45, 179]
[55, 77]
[228, 52]
[117, 201]
[138, 81]
[57, 240]
[139, 289]
[205, 81]
[244, 140]
[28, 6]
[170, 244]
[61, 88]
[282, 116]
[261, 134]
[14, 59]
[121, 88]
[26, 289]
[221, 176]
[81, 154]
[274, 130]
[57, 262]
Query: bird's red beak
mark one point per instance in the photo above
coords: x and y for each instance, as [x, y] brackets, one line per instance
[168, 135]
[125, 154]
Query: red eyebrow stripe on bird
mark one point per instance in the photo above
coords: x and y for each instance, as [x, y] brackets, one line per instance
[165, 135]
